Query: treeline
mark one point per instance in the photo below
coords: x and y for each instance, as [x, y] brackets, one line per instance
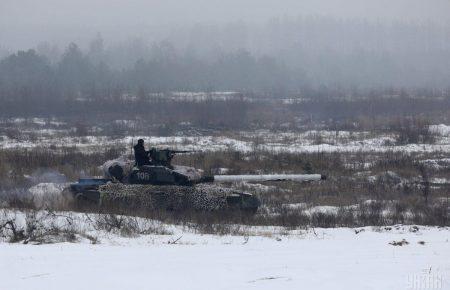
[28, 79]
[322, 68]
[31, 77]
[81, 86]
[284, 57]
[282, 54]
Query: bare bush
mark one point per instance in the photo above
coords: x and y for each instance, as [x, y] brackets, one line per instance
[128, 226]
[81, 129]
[13, 133]
[323, 220]
[412, 130]
[398, 213]
[370, 213]
[38, 227]
[424, 214]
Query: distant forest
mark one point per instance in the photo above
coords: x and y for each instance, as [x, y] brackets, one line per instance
[283, 58]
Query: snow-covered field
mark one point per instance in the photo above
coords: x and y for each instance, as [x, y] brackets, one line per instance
[311, 259]
[306, 142]
[52, 133]
[175, 257]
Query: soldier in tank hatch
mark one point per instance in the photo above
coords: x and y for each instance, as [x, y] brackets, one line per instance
[140, 154]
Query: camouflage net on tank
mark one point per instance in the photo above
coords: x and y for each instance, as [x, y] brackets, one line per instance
[207, 197]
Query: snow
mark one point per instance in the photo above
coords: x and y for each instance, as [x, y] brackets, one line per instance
[441, 129]
[201, 96]
[214, 144]
[257, 187]
[440, 180]
[36, 121]
[189, 96]
[222, 170]
[126, 123]
[339, 258]
[319, 209]
[312, 141]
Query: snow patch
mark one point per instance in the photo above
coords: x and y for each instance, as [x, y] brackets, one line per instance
[441, 129]
[299, 259]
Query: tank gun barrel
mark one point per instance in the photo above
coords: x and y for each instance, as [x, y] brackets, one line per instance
[269, 177]
[181, 151]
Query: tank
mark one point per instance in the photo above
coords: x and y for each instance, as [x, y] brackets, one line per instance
[162, 185]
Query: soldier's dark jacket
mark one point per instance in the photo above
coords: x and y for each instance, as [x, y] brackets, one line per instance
[140, 155]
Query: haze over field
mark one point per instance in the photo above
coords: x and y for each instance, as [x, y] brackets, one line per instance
[401, 43]
[25, 22]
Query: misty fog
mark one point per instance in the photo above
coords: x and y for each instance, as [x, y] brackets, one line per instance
[23, 23]
[241, 45]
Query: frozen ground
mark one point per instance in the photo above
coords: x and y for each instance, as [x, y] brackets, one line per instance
[321, 259]
[307, 142]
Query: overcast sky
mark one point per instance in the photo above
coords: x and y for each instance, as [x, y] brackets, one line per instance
[24, 23]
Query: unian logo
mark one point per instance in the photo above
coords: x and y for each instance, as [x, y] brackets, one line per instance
[425, 281]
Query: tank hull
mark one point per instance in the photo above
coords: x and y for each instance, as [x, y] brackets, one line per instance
[201, 197]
